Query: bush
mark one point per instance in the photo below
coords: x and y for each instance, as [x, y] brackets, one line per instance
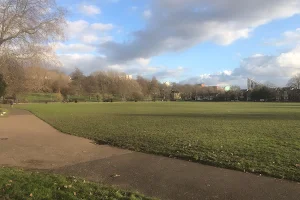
[58, 97]
[137, 96]
[108, 98]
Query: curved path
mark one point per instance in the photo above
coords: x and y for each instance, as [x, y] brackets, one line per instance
[28, 142]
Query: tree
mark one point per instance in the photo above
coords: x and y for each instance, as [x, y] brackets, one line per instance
[77, 78]
[58, 80]
[144, 84]
[186, 91]
[28, 25]
[36, 79]
[89, 85]
[2, 86]
[26, 28]
[13, 74]
[262, 93]
[41, 79]
[154, 88]
[234, 92]
[294, 81]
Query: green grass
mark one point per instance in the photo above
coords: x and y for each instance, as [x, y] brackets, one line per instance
[51, 97]
[254, 137]
[17, 184]
[3, 109]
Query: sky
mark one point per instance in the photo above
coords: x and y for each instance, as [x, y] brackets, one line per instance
[215, 42]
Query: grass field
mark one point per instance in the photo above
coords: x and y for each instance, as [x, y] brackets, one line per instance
[51, 97]
[2, 111]
[17, 184]
[255, 137]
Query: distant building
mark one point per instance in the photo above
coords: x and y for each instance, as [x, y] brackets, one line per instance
[167, 83]
[175, 95]
[128, 77]
[251, 84]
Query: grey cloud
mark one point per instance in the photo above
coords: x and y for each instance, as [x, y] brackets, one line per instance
[176, 25]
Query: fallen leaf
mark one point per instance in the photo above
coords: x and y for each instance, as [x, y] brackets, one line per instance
[116, 175]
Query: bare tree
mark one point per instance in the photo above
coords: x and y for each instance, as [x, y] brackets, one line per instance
[294, 81]
[27, 26]
[13, 74]
[145, 85]
[26, 29]
[2, 86]
[154, 88]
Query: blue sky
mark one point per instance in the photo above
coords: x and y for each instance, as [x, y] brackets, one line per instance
[217, 42]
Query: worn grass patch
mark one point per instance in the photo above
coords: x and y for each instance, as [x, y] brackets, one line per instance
[17, 184]
[254, 137]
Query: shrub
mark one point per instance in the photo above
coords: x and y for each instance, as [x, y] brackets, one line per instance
[58, 97]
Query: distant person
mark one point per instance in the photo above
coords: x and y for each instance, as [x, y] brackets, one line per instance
[11, 104]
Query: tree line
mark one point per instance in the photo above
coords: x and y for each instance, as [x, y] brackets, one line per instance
[16, 80]
[100, 85]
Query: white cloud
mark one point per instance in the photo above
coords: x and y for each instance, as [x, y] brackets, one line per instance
[88, 33]
[90, 39]
[102, 27]
[147, 14]
[90, 10]
[275, 69]
[227, 72]
[290, 59]
[289, 38]
[90, 62]
[73, 48]
[143, 61]
[105, 39]
[257, 55]
[74, 28]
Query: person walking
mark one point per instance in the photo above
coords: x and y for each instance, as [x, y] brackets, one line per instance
[11, 103]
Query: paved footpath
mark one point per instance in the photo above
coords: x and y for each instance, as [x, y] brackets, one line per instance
[28, 142]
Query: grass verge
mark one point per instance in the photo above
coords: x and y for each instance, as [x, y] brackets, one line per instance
[17, 184]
